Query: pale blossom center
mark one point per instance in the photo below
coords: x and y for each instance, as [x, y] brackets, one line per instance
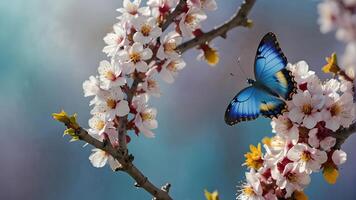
[146, 116]
[111, 103]
[307, 109]
[132, 9]
[288, 123]
[292, 177]
[151, 83]
[170, 46]
[135, 57]
[306, 156]
[335, 110]
[99, 125]
[190, 19]
[146, 30]
[172, 67]
[110, 75]
[248, 191]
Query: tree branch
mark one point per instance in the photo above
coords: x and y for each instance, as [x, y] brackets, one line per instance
[127, 165]
[122, 130]
[240, 19]
[177, 11]
[342, 134]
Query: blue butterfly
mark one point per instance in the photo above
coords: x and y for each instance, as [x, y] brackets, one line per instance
[265, 94]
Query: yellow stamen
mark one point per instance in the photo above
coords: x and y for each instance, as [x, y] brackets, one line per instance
[151, 84]
[146, 30]
[172, 66]
[99, 125]
[248, 191]
[292, 177]
[307, 109]
[110, 75]
[335, 110]
[111, 103]
[135, 57]
[306, 156]
[189, 19]
[169, 46]
[146, 116]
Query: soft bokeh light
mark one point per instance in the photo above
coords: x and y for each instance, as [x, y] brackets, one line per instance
[48, 48]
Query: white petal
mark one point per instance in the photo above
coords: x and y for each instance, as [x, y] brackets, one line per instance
[328, 143]
[98, 158]
[339, 157]
[296, 115]
[309, 121]
[123, 108]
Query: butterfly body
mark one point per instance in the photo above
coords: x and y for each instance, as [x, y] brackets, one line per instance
[265, 94]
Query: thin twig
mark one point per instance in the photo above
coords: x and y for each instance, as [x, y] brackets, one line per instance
[342, 134]
[127, 165]
[177, 11]
[122, 130]
[240, 19]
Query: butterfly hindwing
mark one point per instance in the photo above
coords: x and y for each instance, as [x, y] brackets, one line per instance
[250, 103]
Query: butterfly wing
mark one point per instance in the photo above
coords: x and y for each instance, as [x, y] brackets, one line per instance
[250, 103]
[270, 68]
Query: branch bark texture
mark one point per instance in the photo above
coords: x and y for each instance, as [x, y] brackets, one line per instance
[239, 19]
[342, 134]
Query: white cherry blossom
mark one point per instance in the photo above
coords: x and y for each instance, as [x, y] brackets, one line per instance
[339, 111]
[131, 9]
[170, 69]
[100, 158]
[306, 110]
[339, 157]
[168, 46]
[308, 159]
[99, 125]
[110, 75]
[190, 21]
[115, 40]
[112, 104]
[285, 128]
[145, 119]
[146, 29]
[252, 189]
[291, 179]
[319, 139]
[133, 58]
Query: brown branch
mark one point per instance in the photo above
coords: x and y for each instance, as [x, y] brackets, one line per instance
[126, 162]
[177, 11]
[342, 134]
[240, 19]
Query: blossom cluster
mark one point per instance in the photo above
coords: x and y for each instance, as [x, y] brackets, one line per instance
[340, 15]
[303, 142]
[140, 51]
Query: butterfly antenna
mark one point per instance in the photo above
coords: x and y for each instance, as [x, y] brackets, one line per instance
[240, 68]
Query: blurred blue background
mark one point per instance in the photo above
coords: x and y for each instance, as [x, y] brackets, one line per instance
[48, 48]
